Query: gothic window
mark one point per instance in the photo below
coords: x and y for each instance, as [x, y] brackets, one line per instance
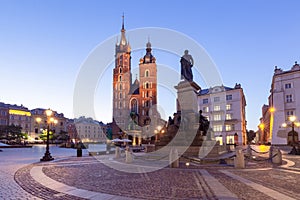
[120, 78]
[133, 106]
[120, 70]
[120, 95]
[147, 85]
[120, 86]
[147, 73]
[147, 94]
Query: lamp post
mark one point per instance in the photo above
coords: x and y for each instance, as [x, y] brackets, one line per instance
[50, 120]
[292, 124]
[262, 130]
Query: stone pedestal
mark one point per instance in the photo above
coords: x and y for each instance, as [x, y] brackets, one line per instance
[129, 157]
[117, 152]
[275, 155]
[239, 160]
[173, 158]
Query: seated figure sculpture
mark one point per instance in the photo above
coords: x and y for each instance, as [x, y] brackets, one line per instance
[203, 124]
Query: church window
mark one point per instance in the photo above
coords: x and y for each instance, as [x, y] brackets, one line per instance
[134, 106]
[147, 85]
[147, 94]
[120, 86]
[147, 73]
[120, 78]
[120, 70]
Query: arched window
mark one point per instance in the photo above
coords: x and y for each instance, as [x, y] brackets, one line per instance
[120, 70]
[147, 72]
[120, 86]
[120, 78]
[120, 95]
[147, 85]
[147, 94]
[134, 106]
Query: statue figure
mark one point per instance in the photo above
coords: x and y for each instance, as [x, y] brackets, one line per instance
[203, 124]
[187, 63]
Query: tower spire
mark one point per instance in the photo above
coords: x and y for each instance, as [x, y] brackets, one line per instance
[123, 37]
[123, 22]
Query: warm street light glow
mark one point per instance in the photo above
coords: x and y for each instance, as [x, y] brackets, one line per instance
[262, 126]
[38, 119]
[293, 123]
[55, 121]
[284, 125]
[48, 112]
[272, 109]
[292, 118]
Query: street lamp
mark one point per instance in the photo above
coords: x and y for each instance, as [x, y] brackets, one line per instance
[262, 130]
[292, 124]
[50, 120]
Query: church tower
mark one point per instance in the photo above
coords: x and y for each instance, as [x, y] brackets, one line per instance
[148, 87]
[121, 83]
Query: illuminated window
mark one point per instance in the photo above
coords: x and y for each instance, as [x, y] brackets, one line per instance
[228, 106]
[230, 139]
[228, 116]
[217, 128]
[217, 117]
[228, 127]
[219, 139]
[217, 108]
[205, 109]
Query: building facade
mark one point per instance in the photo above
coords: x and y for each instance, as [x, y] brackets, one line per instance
[3, 114]
[20, 116]
[89, 130]
[59, 128]
[285, 101]
[134, 103]
[225, 109]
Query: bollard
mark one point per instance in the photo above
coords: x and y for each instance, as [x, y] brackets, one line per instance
[79, 152]
[128, 156]
[173, 158]
[239, 160]
[117, 153]
[277, 156]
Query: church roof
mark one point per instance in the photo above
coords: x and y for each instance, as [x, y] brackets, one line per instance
[134, 89]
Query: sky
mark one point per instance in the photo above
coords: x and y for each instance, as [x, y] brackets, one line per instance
[44, 44]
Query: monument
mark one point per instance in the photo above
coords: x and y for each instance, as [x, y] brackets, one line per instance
[188, 129]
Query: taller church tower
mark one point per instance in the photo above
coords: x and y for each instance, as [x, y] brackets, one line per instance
[121, 83]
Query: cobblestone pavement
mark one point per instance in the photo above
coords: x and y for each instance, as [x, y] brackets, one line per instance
[258, 181]
[93, 178]
[13, 159]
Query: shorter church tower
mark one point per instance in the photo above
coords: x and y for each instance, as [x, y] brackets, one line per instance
[148, 86]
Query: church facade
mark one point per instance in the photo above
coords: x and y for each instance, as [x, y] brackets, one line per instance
[134, 102]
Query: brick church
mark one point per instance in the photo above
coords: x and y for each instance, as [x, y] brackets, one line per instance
[134, 102]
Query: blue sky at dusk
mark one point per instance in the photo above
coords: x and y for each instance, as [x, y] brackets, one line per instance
[44, 43]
